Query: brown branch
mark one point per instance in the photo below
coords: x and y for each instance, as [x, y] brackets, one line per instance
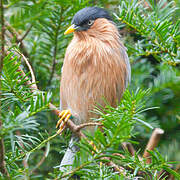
[163, 174]
[11, 32]
[3, 168]
[72, 172]
[177, 168]
[79, 127]
[42, 160]
[26, 33]
[30, 69]
[116, 168]
[118, 154]
[167, 175]
[128, 146]
[153, 142]
[28, 82]
[2, 33]
[18, 39]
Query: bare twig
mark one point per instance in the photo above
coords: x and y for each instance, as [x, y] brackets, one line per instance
[177, 168]
[37, 147]
[30, 69]
[11, 33]
[26, 33]
[2, 33]
[3, 168]
[116, 168]
[42, 159]
[75, 170]
[163, 174]
[18, 39]
[28, 82]
[129, 147]
[119, 155]
[79, 127]
[153, 142]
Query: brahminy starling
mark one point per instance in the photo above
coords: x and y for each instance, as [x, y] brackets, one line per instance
[96, 69]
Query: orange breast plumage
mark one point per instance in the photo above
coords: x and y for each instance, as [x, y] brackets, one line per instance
[96, 68]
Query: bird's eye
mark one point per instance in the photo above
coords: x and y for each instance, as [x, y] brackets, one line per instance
[90, 22]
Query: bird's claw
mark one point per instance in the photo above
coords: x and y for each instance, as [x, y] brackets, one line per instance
[64, 116]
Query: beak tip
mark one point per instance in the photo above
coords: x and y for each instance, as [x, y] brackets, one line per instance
[70, 30]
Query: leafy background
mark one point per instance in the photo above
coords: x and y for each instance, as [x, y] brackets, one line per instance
[150, 31]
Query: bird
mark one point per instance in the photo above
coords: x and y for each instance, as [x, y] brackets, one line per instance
[96, 69]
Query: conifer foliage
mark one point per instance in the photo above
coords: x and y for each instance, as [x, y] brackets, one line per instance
[32, 51]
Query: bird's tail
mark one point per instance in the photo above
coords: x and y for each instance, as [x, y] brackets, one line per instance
[70, 153]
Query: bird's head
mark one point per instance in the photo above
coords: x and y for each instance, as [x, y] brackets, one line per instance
[85, 19]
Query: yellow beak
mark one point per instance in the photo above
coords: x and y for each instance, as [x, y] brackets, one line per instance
[70, 29]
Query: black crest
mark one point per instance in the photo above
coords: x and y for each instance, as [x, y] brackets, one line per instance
[90, 13]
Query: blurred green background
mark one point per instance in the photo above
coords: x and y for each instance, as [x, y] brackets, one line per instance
[153, 68]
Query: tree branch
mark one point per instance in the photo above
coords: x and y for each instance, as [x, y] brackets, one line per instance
[26, 33]
[153, 142]
[30, 69]
[3, 169]
[18, 39]
[79, 127]
[129, 147]
[42, 159]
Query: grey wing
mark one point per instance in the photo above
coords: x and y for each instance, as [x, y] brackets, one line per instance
[126, 59]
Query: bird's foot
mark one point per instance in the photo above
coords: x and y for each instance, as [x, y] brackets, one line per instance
[64, 116]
